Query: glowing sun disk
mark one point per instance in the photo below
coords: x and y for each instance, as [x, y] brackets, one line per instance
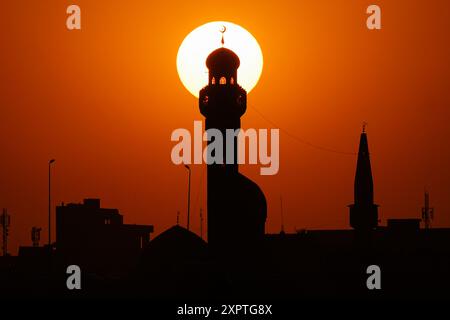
[198, 44]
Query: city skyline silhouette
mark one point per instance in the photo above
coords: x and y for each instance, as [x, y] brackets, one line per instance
[239, 259]
[104, 119]
[80, 143]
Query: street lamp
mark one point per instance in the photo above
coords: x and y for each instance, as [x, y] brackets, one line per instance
[189, 195]
[49, 204]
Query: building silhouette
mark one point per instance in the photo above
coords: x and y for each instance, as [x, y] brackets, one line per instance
[179, 258]
[96, 238]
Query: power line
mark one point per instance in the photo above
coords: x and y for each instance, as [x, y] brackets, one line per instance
[302, 141]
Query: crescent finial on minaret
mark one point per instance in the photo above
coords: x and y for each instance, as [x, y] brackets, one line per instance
[223, 31]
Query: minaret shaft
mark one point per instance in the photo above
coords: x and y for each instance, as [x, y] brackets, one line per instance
[236, 206]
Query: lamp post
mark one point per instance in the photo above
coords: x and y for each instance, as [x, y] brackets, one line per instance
[189, 195]
[49, 204]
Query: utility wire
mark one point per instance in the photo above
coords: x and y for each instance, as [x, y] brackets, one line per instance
[300, 140]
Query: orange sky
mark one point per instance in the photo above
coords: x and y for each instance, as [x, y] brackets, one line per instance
[103, 101]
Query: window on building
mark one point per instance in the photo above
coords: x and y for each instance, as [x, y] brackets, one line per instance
[223, 80]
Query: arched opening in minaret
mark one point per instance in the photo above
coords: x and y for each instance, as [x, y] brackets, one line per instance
[223, 80]
[232, 80]
[213, 80]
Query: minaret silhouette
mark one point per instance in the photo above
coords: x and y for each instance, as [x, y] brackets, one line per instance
[236, 206]
[363, 213]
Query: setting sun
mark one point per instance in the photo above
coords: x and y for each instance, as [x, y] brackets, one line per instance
[198, 44]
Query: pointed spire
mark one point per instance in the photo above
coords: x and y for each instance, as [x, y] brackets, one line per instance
[363, 177]
[364, 212]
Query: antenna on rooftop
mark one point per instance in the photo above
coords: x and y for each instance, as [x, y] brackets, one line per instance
[5, 222]
[35, 236]
[427, 212]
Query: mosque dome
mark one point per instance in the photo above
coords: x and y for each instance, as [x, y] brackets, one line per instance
[176, 243]
[221, 59]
